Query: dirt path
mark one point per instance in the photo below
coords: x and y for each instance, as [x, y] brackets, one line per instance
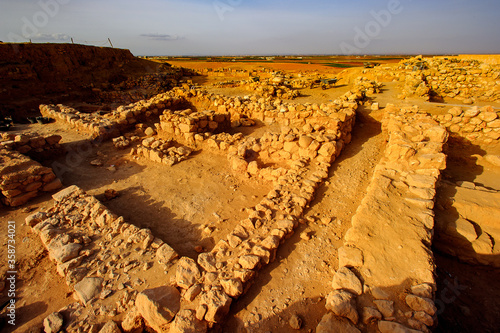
[299, 280]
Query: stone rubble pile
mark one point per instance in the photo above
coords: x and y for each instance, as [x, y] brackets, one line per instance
[474, 124]
[415, 84]
[264, 87]
[267, 88]
[227, 84]
[369, 87]
[22, 179]
[123, 142]
[386, 265]
[223, 72]
[33, 145]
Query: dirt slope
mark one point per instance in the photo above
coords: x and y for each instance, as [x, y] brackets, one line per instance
[31, 74]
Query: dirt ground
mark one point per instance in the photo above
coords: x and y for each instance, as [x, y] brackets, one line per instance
[199, 201]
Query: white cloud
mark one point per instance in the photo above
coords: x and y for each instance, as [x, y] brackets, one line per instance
[162, 37]
[51, 37]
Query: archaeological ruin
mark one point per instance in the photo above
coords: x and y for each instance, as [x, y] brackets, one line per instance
[335, 214]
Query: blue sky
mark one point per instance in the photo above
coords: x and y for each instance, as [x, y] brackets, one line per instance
[234, 27]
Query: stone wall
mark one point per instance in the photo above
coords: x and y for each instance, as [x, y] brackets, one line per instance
[475, 124]
[271, 110]
[105, 126]
[386, 266]
[305, 129]
[34, 145]
[22, 179]
[104, 260]
[99, 254]
[161, 151]
[92, 123]
[223, 72]
[467, 80]
[189, 123]
[227, 271]
[266, 88]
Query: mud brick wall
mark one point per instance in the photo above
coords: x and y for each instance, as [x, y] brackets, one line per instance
[33, 145]
[22, 179]
[474, 124]
[386, 266]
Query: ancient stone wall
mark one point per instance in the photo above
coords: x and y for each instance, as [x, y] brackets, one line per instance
[270, 110]
[22, 179]
[33, 145]
[92, 123]
[110, 125]
[312, 117]
[98, 253]
[223, 72]
[475, 124]
[466, 80]
[186, 122]
[305, 129]
[386, 266]
[161, 151]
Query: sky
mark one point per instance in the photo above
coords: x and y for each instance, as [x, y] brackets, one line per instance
[259, 27]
